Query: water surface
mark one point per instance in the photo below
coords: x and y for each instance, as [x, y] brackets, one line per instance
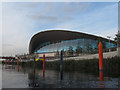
[21, 76]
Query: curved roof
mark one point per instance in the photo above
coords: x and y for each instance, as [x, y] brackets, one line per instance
[57, 35]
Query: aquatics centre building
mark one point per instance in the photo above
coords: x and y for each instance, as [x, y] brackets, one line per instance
[57, 40]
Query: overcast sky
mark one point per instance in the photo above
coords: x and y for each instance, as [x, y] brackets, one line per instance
[20, 21]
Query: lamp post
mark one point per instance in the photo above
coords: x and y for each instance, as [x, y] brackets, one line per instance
[109, 42]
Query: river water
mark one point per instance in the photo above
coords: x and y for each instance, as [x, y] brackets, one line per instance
[14, 76]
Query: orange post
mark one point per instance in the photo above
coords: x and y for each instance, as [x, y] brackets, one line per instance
[43, 65]
[100, 56]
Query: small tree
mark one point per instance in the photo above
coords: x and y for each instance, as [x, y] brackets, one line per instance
[78, 49]
[70, 50]
[63, 51]
[91, 49]
[117, 38]
[88, 47]
[57, 53]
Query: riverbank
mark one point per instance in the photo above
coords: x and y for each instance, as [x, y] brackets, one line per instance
[111, 66]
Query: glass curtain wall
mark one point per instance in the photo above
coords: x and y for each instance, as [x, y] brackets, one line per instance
[87, 45]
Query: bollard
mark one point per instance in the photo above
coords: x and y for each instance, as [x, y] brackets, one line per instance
[100, 56]
[61, 59]
[9, 62]
[18, 61]
[5, 62]
[43, 65]
[61, 66]
[18, 65]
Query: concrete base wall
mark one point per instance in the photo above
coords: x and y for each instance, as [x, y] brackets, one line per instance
[47, 55]
[118, 51]
[92, 56]
[95, 56]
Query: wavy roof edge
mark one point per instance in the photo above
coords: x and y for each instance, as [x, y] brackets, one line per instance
[32, 47]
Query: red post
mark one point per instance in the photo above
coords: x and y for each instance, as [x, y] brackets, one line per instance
[43, 65]
[5, 61]
[100, 56]
[9, 62]
[18, 61]
[18, 65]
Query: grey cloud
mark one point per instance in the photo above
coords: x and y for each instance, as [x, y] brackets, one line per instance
[31, 4]
[76, 7]
[50, 18]
[43, 17]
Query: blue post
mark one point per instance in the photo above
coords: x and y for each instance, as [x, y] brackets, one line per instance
[61, 65]
[61, 59]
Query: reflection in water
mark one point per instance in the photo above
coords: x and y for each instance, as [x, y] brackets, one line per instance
[18, 67]
[61, 73]
[13, 66]
[33, 77]
[61, 65]
[6, 62]
[8, 66]
[101, 76]
[54, 78]
[44, 73]
[101, 79]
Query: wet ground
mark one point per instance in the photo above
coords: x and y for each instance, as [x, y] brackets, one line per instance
[14, 76]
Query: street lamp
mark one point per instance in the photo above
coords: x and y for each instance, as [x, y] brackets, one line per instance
[109, 42]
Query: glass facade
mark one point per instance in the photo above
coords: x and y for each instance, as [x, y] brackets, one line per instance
[85, 44]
